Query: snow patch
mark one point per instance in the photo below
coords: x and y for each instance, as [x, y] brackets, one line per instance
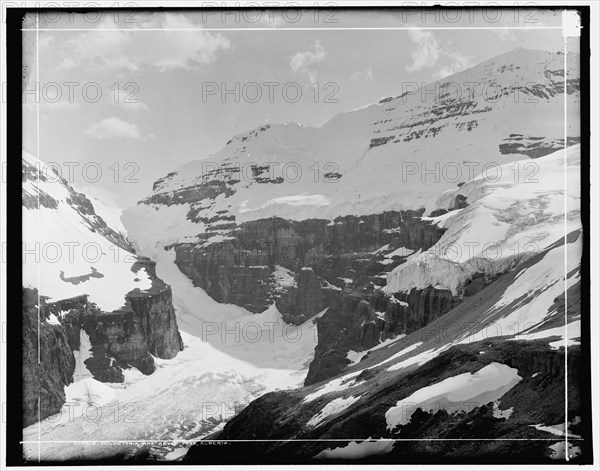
[284, 277]
[559, 451]
[357, 450]
[339, 384]
[400, 252]
[502, 414]
[176, 454]
[559, 429]
[459, 393]
[354, 357]
[333, 407]
[418, 360]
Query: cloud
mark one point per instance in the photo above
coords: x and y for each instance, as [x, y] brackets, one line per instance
[67, 64]
[366, 75]
[113, 128]
[127, 100]
[132, 105]
[428, 50]
[134, 50]
[301, 61]
[504, 34]
[459, 62]
[430, 53]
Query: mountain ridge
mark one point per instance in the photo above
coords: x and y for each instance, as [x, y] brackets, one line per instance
[352, 248]
[375, 159]
[102, 313]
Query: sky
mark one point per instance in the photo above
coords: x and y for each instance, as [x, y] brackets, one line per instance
[126, 98]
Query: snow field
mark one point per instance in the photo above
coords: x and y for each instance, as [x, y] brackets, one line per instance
[63, 255]
[460, 393]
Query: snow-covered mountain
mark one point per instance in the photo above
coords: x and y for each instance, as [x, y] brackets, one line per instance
[400, 153]
[69, 249]
[94, 311]
[109, 338]
[426, 233]
[510, 217]
[473, 384]
[339, 209]
[395, 275]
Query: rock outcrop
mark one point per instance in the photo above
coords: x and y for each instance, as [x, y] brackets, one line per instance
[305, 267]
[48, 362]
[505, 426]
[144, 327]
[492, 397]
[237, 266]
[251, 231]
[305, 298]
[359, 322]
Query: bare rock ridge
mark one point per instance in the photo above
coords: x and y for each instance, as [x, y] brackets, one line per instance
[357, 322]
[366, 158]
[144, 327]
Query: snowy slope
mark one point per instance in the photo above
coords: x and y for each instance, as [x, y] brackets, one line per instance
[238, 184]
[112, 216]
[493, 366]
[401, 153]
[234, 358]
[488, 384]
[511, 216]
[69, 249]
[230, 358]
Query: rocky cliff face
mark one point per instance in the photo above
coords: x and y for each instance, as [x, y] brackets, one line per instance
[128, 337]
[239, 265]
[245, 231]
[48, 362]
[109, 295]
[492, 390]
[358, 322]
[146, 326]
[305, 267]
